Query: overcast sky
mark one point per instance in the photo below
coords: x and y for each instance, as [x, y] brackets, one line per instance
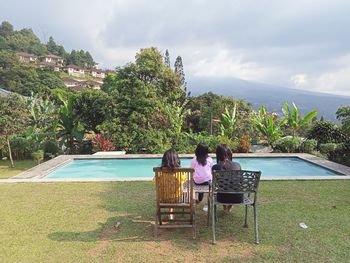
[302, 44]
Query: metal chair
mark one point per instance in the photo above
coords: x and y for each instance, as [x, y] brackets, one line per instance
[175, 206]
[235, 182]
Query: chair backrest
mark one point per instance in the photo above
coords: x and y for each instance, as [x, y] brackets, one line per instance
[235, 181]
[169, 184]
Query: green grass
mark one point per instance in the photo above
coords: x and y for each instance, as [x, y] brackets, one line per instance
[6, 171]
[74, 222]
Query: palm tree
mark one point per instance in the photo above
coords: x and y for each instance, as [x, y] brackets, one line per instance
[228, 122]
[268, 125]
[293, 120]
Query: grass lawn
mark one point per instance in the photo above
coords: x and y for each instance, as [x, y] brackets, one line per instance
[6, 171]
[74, 222]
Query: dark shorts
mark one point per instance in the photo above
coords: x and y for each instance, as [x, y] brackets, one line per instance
[230, 198]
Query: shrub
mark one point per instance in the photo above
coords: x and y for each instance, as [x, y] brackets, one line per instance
[244, 144]
[22, 148]
[288, 144]
[38, 156]
[309, 145]
[100, 143]
[326, 132]
[328, 149]
[50, 148]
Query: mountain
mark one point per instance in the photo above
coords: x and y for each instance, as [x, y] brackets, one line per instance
[272, 97]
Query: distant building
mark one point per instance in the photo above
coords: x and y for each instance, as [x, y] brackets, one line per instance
[74, 70]
[26, 57]
[51, 66]
[52, 59]
[98, 73]
[78, 85]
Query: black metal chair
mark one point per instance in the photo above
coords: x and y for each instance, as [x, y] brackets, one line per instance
[235, 182]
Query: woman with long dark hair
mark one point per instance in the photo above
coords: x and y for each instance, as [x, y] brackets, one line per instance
[224, 162]
[202, 164]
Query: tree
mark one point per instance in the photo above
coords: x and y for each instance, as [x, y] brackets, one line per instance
[13, 119]
[70, 130]
[293, 120]
[93, 107]
[179, 70]
[228, 122]
[143, 93]
[167, 58]
[6, 29]
[343, 115]
[268, 125]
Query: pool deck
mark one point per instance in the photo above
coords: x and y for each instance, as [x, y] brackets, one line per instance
[38, 173]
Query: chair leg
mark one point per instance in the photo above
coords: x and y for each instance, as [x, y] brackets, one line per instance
[213, 215]
[256, 225]
[208, 214]
[156, 226]
[246, 216]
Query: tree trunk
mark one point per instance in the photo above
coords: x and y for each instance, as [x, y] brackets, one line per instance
[10, 154]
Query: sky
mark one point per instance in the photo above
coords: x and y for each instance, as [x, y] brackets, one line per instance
[301, 44]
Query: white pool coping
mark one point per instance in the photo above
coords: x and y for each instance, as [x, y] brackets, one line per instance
[37, 174]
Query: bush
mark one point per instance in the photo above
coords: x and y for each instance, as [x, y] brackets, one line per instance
[309, 145]
[288, 144]
[21, 148]
[326, 132]
[100, 143]
[244, 144]
[51, 149]
[328, 149]
[38, 156]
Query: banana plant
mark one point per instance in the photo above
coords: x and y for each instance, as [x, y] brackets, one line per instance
[228, 122]
[292, 118]
[70, 129]
[268, 125]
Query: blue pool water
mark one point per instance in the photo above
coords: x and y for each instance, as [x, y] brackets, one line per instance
[143, 168]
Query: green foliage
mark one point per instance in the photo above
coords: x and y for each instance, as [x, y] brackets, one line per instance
[93, 107]
[70, 130]
[268, 125]
[21, 147]
[326, 132]
[81, 58]
[149, 104]
[50, 148]
[38, 156]
[288, 144]
[228, 123]
[55, 49]
[328, 149]
[343, 115]
[293, 120]
[308, 146]
[13, 118]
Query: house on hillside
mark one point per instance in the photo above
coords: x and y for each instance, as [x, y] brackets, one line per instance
[74, 70]
[52, 59]
[98, 73]
[69, 82]
[26, 57]
[51, 66]
[78, 85]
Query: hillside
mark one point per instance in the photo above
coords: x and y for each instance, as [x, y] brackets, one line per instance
[271, 96]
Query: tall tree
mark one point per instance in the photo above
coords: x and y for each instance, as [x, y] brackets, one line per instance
[343, 115]
[13, 119]
[6, 29]
[179, 70]
[167, 58]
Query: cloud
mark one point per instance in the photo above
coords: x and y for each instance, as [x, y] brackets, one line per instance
[300, 44]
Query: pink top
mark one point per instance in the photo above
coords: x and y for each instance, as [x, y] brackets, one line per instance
[202, 173]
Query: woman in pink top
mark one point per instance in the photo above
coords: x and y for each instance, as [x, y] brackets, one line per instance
[202, 165]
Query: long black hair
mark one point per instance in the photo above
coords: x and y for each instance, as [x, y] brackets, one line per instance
[201, 152]
[170, 159]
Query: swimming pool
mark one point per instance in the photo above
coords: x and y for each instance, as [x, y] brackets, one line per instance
[143, 168]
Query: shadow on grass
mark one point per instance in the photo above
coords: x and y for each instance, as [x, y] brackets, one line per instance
[133, 203]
